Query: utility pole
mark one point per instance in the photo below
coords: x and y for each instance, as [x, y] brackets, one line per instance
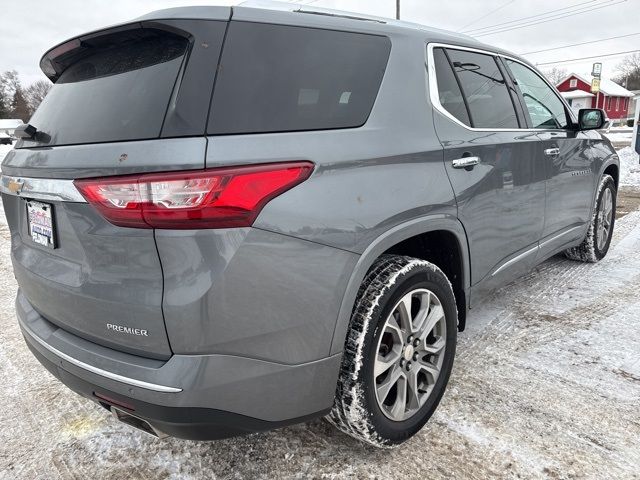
[398, 9]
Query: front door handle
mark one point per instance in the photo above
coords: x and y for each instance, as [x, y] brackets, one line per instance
[465, 162]
[552, 152]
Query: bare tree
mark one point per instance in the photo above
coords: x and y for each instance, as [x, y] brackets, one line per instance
[629, 72]
[35, 93]
[555, 75]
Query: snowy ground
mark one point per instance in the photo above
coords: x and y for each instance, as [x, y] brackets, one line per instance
[546, 384]
[620, 136]
[629, 167]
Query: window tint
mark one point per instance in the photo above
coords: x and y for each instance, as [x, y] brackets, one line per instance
[545, 109]
[280, 78]
[119, 91]
[448, 88]
[485, 90]
[133, 56]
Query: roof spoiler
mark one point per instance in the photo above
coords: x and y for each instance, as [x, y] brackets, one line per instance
[56, 60]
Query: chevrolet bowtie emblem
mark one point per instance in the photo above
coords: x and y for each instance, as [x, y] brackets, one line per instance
[15, 186]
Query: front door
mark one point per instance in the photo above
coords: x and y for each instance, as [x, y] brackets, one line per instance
[569, 158]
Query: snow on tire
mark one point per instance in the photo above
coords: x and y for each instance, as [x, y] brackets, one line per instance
[593, 248]
[404, 324]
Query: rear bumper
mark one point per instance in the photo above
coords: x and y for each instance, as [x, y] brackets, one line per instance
[210, 397]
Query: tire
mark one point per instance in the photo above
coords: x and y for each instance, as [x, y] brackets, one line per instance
[373, 341]
[596, 244]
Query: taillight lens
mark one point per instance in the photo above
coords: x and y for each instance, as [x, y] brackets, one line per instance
[216, 198]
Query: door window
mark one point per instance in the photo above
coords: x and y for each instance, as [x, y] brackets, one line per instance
[485, 90]
[545, 109]
[448, 89]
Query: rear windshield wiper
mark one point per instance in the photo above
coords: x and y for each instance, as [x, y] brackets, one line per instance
[26, 131]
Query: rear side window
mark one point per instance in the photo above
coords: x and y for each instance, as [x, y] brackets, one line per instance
[484, 88]
[545, 109]
[275, 78]
[118, 90]
[448, 89]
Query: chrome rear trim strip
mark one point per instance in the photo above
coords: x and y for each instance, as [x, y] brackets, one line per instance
[548, 241]
[104, 373]
[515, 259]
[41, 189]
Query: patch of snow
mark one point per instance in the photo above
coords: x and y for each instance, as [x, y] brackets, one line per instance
[4, 149]
[629, 167]
[619, 137]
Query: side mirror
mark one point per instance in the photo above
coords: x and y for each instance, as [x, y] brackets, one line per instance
[591, 119]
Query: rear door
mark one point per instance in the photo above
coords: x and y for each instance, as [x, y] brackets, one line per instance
[124, 102]
[491, 162]
[567, 156]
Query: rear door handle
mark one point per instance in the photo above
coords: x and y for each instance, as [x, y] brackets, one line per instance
[465, 162]
[552, 152]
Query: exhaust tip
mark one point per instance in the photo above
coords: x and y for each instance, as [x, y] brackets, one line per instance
[136, 422]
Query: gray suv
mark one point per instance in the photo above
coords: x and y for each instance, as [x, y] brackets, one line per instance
[225, 220]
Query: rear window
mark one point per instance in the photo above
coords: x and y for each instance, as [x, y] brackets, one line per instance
[280, 78]
[117, 91]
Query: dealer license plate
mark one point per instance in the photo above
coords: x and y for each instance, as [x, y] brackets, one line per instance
[41, 228]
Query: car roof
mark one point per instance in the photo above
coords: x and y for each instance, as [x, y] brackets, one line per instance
[298, 14]
[294, 14]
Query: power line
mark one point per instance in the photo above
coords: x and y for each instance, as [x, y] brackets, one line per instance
[573, 60]
[530, 17]
[581, 43]
[487, 14]
[589, 10]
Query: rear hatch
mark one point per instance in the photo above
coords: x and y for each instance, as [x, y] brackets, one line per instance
[129, 99]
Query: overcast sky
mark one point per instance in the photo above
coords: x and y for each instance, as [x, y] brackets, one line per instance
[27, 29]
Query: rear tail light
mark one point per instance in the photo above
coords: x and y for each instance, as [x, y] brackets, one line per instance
[216, 198]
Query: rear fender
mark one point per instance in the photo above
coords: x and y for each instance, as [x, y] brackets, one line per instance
[382, 244]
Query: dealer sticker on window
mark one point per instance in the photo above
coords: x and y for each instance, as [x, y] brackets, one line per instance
[40, 218]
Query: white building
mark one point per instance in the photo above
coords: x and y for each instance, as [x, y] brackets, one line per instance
[8, 126]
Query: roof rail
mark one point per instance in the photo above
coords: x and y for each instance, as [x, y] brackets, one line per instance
[313, 10]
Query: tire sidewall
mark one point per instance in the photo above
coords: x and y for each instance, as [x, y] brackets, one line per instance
[435, 281]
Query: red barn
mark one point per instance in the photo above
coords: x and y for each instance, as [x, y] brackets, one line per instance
[612, 98]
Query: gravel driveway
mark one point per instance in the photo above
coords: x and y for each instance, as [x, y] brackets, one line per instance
[546, 384]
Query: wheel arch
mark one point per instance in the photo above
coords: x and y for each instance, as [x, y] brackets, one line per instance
[613, 169]
[396, 240]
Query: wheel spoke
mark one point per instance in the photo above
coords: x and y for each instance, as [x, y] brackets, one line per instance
[385, 387]
[436, 347]
[431, 370]
[404, 307]
[436, 314]
[413, 394]
[399, 406]
[425, 302]
[394, 329]
[384, 363]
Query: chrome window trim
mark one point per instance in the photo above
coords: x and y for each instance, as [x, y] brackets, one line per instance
[103, 373]
[435, 98]
[51, 189]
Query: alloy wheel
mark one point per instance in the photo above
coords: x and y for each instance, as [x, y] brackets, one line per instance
[410, 354]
